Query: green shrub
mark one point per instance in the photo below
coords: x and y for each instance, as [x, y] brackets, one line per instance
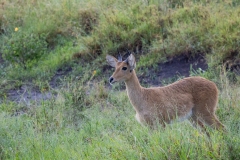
[24, 49]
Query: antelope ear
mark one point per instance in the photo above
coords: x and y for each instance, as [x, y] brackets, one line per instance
[131, 61]
[112, 61]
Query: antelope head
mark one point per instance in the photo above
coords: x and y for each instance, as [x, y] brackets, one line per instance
[123, 69]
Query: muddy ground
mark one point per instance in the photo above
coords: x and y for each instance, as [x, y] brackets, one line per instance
[177, 67]
[28, 93]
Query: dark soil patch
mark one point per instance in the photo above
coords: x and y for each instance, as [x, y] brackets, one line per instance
[56, 79]
[27, 93]
[1, 59]
[179, 66]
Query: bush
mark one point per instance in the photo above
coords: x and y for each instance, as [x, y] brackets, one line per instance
[24, 49]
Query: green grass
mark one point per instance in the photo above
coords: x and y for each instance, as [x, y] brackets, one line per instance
[86, 119]
[103, 126]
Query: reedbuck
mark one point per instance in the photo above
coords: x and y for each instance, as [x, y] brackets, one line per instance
[193, 97]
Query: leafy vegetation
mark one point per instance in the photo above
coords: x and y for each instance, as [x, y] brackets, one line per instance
[59, 47]
[24, 49]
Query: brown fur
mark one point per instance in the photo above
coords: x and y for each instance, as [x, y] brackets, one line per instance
[195, 95]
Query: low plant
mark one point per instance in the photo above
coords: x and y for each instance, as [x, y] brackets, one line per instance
[24, 48]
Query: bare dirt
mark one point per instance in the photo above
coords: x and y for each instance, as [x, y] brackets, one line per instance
[27, 94]
[1, 59]
[177, 67]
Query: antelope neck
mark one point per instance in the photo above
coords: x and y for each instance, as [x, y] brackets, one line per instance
[134, 91]
[132, 84]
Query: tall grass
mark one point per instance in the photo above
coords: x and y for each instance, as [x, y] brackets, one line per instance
[101, 124]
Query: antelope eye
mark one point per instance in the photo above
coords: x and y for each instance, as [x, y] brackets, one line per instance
[124, 68]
